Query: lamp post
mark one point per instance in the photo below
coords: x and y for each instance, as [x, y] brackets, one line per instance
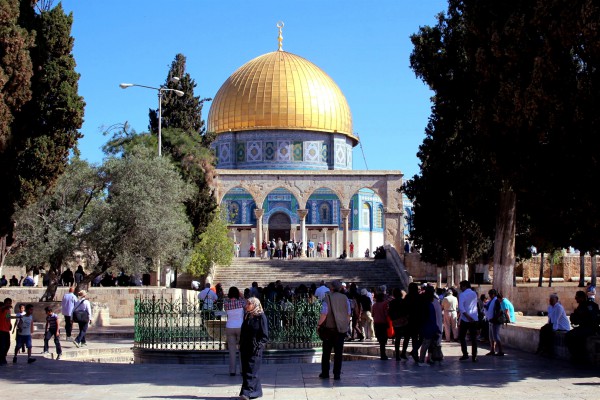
[160, 91]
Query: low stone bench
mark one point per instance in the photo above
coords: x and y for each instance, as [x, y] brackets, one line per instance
[593, 349]
[526, 338]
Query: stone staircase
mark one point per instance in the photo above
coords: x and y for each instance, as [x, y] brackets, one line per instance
[364, 272]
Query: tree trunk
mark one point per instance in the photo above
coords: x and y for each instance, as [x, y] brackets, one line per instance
[449, 275]
[50, 292]
[551, 262]
[541, 278]
[6, 241]
[594, 268]
[504, 242]
[581, 268]
[3, 251]
[463, 259]
[85, 282]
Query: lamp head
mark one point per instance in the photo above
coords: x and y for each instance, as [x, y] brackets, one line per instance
[175, 79]
[125, 85]
[179, 93]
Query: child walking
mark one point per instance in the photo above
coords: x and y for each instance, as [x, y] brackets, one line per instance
[52, 329]
[24, 331]
[20, 314]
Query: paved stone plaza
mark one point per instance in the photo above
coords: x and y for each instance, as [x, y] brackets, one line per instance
[517, 375]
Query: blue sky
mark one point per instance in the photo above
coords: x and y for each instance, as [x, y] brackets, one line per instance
[363, 45]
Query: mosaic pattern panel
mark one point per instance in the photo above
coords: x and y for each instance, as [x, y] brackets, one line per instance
[269, 151]
[254, 151]
[284, 150]
[298, 151]
[340, 154]
[349, 157]
[225, 152]
[324, 148]
[311, 151]
[240, 152]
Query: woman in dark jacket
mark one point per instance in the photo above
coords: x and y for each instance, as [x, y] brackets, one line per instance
[414, 308]
[254, 336]
[399, 316]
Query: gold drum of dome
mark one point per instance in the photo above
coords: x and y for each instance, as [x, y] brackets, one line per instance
[280, 91]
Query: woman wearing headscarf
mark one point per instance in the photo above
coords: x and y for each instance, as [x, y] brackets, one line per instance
[254, 336]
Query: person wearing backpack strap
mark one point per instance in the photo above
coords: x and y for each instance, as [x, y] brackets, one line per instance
[495, 318]
[335, 314]
[82, 304]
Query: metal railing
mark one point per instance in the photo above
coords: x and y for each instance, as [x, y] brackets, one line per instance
[166, 324]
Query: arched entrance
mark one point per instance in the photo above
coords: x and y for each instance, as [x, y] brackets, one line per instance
[280, 226]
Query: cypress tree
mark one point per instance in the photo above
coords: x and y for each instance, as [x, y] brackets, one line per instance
[45, 108]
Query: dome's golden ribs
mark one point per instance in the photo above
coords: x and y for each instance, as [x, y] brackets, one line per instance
[280, 90]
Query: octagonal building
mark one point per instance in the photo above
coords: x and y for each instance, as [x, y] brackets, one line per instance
[283, 145]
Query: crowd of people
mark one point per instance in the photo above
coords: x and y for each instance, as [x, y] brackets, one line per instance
[289, 249]
[69, 278]
[73, 309]
[422, 318]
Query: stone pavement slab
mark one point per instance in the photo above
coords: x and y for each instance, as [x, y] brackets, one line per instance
[516, 376]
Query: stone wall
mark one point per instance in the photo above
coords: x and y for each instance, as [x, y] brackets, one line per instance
[568, 268]
[530, 300]
[529, 270]
[120, 301]
[419, 270]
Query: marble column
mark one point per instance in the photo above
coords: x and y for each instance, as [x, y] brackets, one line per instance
[302, 213]
[258, 212]
[325, 240]
[345, 212]
[334, 243]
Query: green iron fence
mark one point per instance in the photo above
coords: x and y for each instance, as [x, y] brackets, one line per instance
[167, 324]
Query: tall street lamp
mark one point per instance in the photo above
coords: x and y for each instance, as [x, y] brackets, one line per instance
[160, 91]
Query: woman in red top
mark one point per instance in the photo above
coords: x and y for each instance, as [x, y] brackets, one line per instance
[380, 313]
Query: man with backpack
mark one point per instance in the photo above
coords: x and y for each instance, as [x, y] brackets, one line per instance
[495, 318]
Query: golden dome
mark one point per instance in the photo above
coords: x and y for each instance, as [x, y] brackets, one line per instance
[280, 90]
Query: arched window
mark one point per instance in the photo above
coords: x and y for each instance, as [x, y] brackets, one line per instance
[325, 213]
[379, 218]
[366, 216]
[234, 213]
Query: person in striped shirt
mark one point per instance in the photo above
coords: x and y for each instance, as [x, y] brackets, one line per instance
[52, 329]
[234, 306]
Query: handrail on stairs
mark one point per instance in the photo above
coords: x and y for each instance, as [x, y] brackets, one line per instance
[393, 258]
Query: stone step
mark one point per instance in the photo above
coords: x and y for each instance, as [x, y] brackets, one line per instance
[118, 355]
[364, 272]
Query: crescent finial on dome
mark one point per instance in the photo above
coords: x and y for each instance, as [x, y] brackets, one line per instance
[280, 38]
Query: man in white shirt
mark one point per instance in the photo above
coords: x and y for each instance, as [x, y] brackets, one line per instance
[450, 308]
[207, 297]
[67, 304]
[468, 322]
[557, 321]
[321, 290]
